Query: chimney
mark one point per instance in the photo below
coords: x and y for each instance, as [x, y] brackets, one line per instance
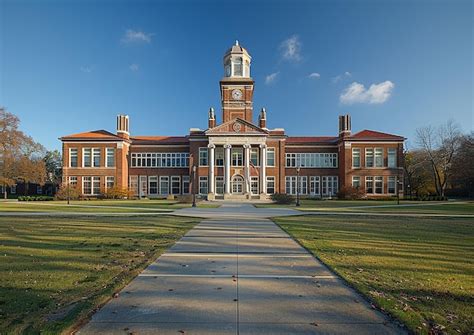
[262, 119]
[122, 126]
[212, 118]
[344, 125]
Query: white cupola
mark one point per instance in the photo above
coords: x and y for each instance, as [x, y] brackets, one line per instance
[237, 62]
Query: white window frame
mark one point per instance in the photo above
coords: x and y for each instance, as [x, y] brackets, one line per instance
[371, 180]
[164, 180]
[354, 178]
[133, 184]
[219, 156]
[77, 157]
[270, 180]
[254, 152]
[327, 160]
[203, 155]
[394, 178]
[354, 151]
[94, 152]
[254, 185]
[369, 152]
[219, 180]
[392, 157]
[202, 180]
[107, 162]
[72, 180]
[174, 179]
[84, 150]
[153, 179]
[270, 152]
[87, 179]
[329, 185]
[378, 157]
[186, 181]
[378, 180]
[238, 152]
[107, 181]
[315, 181]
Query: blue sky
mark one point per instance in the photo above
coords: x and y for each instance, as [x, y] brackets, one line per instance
[72, 66]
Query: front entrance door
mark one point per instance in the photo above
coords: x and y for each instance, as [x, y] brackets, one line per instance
[237, 185]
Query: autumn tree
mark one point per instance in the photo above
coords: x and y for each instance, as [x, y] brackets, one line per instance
[439, 146]
[21, 158]
[417, 173]
[462, 181]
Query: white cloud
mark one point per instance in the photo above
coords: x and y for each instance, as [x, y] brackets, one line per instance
[85, 69]
[376, 94]
[291, 48]
[314, 75]
[136, 36]
[134, 67]
[340, 77]
[271, 78]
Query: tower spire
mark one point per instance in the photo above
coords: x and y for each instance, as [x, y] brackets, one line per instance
[237, 42]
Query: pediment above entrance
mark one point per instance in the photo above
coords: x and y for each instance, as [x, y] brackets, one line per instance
[236, 127]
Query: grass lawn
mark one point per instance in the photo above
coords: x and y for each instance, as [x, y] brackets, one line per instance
[102, 206]
[382, 206]
[420, 270]
[54, 271]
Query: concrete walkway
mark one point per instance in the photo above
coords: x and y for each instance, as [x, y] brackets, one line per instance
[237, 276]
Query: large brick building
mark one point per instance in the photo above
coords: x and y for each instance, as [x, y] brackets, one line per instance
[238, 158]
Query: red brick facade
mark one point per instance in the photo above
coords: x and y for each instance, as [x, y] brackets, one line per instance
[249, 160]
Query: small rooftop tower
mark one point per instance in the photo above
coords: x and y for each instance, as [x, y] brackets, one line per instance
[122, 126]
[344, 125]
[237, 62]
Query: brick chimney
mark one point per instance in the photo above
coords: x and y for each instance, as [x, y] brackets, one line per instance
[262, 119]
[344, 125]
[122, 126]
[212, 118]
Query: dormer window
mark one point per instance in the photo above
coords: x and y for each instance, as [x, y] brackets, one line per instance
[238, 67]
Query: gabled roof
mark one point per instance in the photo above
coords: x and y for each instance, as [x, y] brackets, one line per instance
[375, 135]
[160, 140]
[96, 135]
[228, 128]
[311, 140]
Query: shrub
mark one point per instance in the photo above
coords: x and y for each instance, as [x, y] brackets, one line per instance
[118, 193]
[282, 198]
[350, 193]
[74, 192]
[35, 198]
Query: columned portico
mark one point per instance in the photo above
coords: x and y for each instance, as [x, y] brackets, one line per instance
[247, 169]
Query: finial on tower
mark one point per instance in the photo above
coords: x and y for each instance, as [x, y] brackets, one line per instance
[236, 42]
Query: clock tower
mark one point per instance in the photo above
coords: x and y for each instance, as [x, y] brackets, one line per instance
[237, 85]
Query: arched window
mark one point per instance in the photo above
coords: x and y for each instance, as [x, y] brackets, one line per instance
[238, 67]
[227, 68]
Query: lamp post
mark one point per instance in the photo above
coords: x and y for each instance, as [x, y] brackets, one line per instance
[194, 185]
[297, 186]
[68, 194]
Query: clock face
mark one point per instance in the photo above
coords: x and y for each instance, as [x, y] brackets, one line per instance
[237, 94]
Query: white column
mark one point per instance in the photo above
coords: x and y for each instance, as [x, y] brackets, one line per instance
[211, 148]
[247, 168]
[227, 158]
[263, 167]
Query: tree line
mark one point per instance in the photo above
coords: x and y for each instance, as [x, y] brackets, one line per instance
[23, 160]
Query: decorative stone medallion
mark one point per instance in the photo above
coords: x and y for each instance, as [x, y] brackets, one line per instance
[237, 127]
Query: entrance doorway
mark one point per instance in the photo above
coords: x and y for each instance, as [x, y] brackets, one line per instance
[237, 185]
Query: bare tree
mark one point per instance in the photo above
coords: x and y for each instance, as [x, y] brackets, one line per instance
[440, 145]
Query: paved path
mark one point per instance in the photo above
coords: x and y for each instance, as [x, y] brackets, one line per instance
[237, 276]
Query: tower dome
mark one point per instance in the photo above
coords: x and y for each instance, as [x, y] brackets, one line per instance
[237, 62]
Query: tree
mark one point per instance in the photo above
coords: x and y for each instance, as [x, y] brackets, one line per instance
[439, 146]
[418, 177]
[462, 180]
[20, 155]
[53, 162]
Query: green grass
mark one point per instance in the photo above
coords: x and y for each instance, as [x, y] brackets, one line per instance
[102, 206]
[419, 270]
[381, 206]
[55, 271]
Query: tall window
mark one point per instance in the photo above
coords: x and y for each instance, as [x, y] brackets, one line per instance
[87, 185]
[330, 185]
[203, 185]
[96, 157]
[314, 185]
[369, 184]
[110, 157]
[219, 156]
[110, 182]
[254, 156]
[175, 184]
[164, 185]
[202, 156]
[270, 184]
[219, 185]
[356, 182]
[254, 189]
[153, 184]
[356, 157]
[73, 157]
[134, 185]
[378, 157]
[185, 184]
[391, 184]
[87, 157]
[392, 158]
[237, 157]
[378, 185]
[270, 156]
[291, 185]
[369, 157]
